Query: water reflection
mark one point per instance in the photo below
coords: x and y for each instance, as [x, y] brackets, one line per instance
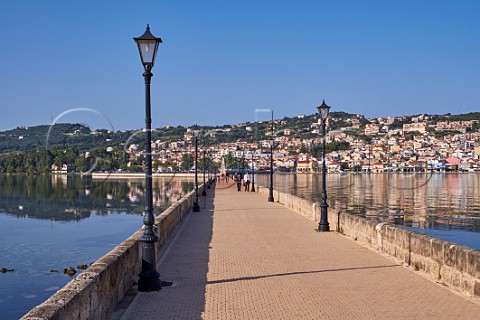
[59, 221]
[422, 200]
[72, 198]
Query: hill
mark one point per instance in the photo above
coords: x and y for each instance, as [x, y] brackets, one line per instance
[84, 139]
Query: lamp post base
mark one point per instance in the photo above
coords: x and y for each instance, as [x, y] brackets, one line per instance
[196, 207]
[149, 281]
[323, 225]
[149, 278]
[323, 228]
[270, 195]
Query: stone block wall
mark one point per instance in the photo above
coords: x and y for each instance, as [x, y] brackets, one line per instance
[94, 293]
[456, 266]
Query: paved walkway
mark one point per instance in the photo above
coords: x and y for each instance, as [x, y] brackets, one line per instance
[242, 257]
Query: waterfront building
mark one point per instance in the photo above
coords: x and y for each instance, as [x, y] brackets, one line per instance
[306, 164]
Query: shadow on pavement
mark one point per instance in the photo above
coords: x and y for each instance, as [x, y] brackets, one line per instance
[185, 263]
[299, 273]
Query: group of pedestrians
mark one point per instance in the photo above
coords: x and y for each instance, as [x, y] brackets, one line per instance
[222, 177]
[245, 179]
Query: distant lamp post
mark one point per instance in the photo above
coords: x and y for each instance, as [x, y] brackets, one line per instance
[323, 225]
[196, 207]
[209, 178]
[270, 191]
[204, 189]
[149, 278]
[243, 158]
[253, 158]
[253, 171]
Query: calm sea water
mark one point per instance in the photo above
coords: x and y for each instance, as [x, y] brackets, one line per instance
[444, 205]
[53, 222]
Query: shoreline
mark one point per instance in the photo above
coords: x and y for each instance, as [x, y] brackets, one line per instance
[191, 174]
[121, 175]
[96, 175]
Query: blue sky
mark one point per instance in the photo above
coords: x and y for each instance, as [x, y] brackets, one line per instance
[221, 60]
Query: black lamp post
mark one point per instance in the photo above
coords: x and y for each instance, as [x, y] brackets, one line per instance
[270, 191]
[253, 171]
[209, 178]
[253, 158]
[204, 191]
[323, 225]
[196, 207]
[149, 278]
[243, 158]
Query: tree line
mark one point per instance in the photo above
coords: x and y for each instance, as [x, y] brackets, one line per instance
[42, 160]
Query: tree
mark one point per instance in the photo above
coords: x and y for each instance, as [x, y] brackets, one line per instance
[187, 162]
[357, 168]
[81, 164]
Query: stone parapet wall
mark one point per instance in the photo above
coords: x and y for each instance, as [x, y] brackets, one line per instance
[94, 293]
[456, 266]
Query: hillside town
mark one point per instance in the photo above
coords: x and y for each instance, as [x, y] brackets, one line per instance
[372, 145]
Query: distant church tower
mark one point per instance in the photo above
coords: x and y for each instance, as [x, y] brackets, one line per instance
[223, 170]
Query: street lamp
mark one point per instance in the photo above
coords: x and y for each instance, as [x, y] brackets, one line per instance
[149, 278]
[243, 158]
[204, 190]
[196, 207]
[270, 191]
[209, 177]
[323, 225]
[253, 171]
[253, 157]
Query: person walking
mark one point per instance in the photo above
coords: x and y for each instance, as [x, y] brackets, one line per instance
[238, 180]
[222, 177]
[246, 181]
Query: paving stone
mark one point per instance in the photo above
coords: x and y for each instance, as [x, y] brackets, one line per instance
[242, 257]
